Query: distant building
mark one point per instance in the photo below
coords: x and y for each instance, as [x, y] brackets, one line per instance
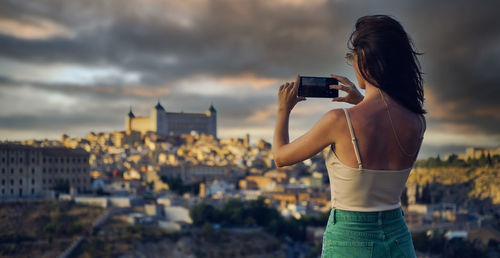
[166, 123]
[199, 173]
[476, 153]
[30, 171]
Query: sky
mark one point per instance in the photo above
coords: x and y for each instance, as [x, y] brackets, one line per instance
[77, 66]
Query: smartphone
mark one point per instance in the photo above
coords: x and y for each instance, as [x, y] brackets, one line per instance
[317, 87]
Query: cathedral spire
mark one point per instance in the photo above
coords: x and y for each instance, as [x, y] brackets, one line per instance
[211, 108]
[159, 106]
[130, 113]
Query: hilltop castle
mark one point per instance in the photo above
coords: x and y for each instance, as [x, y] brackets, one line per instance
[167, 123]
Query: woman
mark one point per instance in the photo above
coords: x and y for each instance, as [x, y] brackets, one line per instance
[372, 145]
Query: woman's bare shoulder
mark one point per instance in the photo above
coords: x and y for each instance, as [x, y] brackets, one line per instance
[334, 115]
[336, 121]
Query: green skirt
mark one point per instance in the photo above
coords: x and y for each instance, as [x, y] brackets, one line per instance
[367, 234]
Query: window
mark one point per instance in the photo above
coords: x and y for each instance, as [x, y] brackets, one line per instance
[3, 181]
[43, 181]
[32, 191]
[33, 160]
[20, 170]
[3, 191]
[62, 160]
[33, 171]
[11, 191]
[50, 180]
[3, 170]
[3, 160]
[20, 182]
[55, 160]
[43, 160]
[12, 182]
[43, 170]
[11, 160]
[12, 171]
[67, 159]
[32, 181]
[20, 160]
[55, 170]
[20, 192]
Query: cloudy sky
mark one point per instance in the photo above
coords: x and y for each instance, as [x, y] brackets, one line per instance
[76, 66]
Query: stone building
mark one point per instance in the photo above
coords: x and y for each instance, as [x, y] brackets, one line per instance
[27, 171]
[200, 173]
[167, 123]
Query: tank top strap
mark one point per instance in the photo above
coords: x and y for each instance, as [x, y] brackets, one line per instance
[353, 137]
[423, 126]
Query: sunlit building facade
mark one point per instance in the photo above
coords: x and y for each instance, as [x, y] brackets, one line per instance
[167, 123]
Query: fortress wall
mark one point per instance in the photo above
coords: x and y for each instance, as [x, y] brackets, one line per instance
[142, 124]
[185, 123]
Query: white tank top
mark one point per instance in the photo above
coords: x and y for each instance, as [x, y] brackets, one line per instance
[361, 189]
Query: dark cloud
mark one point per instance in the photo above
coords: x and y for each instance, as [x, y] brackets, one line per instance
[461, 42]
[225, 38]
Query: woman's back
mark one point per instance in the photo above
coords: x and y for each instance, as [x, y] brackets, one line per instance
[377, 141]
[376, 185]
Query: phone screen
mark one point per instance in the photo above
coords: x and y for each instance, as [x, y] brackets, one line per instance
[317, 87]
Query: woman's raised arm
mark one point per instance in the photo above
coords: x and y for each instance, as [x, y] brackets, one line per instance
[317, 138]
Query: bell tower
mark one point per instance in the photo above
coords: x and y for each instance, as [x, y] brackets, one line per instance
[211, 114]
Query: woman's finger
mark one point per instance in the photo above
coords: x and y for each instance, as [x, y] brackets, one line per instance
[342, 79]
[341, 87]
[338, 99]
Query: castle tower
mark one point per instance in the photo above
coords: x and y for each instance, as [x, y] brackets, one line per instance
[128, 120]
[159, 119]
[246, 141]
[211, 113]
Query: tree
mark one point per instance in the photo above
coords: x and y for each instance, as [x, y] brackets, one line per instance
[233, 212]
[451, 159]
[202, 213]
[489, 162]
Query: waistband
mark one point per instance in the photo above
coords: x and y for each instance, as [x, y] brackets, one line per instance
[372, 216]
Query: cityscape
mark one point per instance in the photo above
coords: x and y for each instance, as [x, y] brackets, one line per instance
[144, 128]
[163, 184]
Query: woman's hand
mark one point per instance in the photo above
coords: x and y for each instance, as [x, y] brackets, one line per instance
[353, 95]
[287, 95]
